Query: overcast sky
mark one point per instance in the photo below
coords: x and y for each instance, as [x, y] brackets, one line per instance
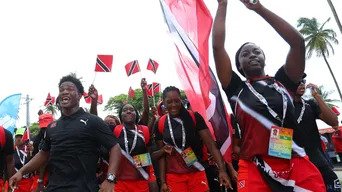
[41, 41]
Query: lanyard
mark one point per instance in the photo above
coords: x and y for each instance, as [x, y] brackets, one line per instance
[134, 140]
[301, 112]
[263, 100]
[22, 160]
[171, 133]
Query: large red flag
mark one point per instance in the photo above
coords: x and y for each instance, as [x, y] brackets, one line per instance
[152, 65]
[199, 83]
[49, 100]
[132, 67]
[104, 63]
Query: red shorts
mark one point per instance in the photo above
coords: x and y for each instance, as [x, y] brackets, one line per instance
[3, 186]
[35, 178]
[187, 182]
[24, 185]
[131, 186]
[152, 176]
[298, 170]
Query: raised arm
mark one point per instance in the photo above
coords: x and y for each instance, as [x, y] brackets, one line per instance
[144, 116]
[295, 60]
[326, 114]
[221, 57]
[93, 94]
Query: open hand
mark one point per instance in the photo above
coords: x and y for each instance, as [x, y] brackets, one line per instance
[224, 180]
[15, 179]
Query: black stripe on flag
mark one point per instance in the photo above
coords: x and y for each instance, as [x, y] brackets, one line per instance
[132, 67]
[153, 65]
[102, 65]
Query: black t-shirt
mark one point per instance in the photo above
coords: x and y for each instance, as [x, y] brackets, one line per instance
[174, 161]
[8, 149]
[73, 143]
[253, 117]
[308, 124]
[126, 170]
[37, 140]
[140, 146]
[20, 159]
[193, 139]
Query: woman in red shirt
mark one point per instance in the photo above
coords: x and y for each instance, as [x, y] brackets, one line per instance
[180, 139]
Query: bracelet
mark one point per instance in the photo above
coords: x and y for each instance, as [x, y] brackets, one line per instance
[40, 180]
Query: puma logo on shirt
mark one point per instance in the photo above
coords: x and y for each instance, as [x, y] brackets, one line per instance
[84, 121]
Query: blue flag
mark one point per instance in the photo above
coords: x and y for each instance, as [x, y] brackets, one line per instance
[9, 108]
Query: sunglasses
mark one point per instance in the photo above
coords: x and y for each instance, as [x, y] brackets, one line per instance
[303, 81]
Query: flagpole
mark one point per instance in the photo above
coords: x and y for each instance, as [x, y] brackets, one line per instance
[154, 102]
[94, 78]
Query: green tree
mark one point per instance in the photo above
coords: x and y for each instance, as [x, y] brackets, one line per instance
[34, 129]
[51, 109]
[115, 103]
[326, 96]
[319, 40]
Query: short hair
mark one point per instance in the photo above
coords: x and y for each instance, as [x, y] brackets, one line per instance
[117, 121]
[168, 89]
[237, 62]
[73, 79]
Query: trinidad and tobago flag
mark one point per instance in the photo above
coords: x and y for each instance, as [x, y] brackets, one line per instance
[152, 89]
[132, 67]
[152, 65]
[49, 100]
[198, 81]
[88, 99]
[131, 92]
[104, 63]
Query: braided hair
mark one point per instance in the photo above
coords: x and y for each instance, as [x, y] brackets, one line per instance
[168, 89]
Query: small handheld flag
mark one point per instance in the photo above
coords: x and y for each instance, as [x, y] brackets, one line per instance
[132, 67]
[104, 63]
[49, 100]
[88, 99]
[131, 92]
[152, 66]
[151, 91]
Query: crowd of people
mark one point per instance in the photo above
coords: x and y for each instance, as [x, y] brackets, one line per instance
[276, 145]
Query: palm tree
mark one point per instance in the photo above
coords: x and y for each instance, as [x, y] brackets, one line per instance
[332, 7]
[51, 109]
[318, 40]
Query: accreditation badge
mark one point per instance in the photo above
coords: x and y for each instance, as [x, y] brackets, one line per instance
[189, 156]
[142, 160]
[280, 144]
